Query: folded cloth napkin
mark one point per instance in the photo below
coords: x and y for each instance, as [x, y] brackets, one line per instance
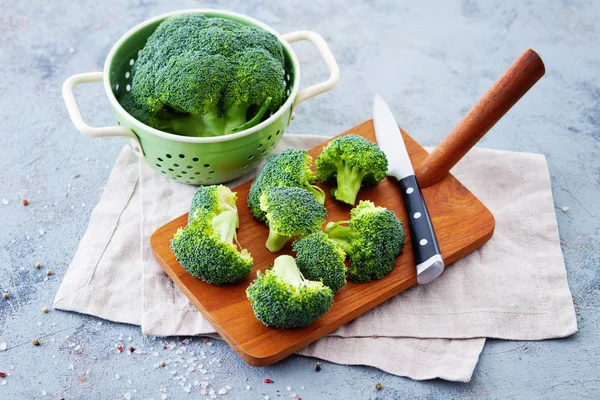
[514, 287]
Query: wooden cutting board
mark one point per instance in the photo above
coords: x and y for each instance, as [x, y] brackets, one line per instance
[462, 224]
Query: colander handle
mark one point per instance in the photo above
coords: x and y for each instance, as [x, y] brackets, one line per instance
[77, 119]
[326, 54]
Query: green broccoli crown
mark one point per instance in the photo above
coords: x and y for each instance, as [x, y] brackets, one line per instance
[214, 198]
[290, 168]
[354, 162]
[319, 258]
[373, 238]
[213, 76]
[205, 247]
[290, 212]
[282, 298]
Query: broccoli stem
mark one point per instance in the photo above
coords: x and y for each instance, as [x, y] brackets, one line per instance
[341, 233]
[285, 267]
[349, 180]
[225, 224]
[317, 192]
[276, 241]
[254, 120]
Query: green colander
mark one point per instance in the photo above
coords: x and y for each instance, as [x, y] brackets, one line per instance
[197, 160]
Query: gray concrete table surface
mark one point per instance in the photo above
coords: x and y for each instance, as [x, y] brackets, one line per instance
[430, 60]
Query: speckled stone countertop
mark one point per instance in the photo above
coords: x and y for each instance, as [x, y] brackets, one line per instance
[430, 60]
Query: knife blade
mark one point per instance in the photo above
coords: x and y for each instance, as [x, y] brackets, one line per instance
[428, 258]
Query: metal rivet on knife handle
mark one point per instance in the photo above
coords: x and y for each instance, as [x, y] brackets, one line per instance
[504, 94]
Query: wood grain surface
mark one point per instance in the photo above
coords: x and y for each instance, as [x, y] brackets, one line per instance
[462, 224]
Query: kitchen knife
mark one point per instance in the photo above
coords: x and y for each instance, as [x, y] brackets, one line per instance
[426, 250]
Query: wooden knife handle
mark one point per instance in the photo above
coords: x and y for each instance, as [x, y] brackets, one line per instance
[504, 94]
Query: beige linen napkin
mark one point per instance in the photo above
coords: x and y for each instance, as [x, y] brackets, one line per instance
[514, 287]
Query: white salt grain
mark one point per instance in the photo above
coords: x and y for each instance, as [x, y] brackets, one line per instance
[2, 346]
[127, 396]
[5, 202]
[248, 387]
[227, 387]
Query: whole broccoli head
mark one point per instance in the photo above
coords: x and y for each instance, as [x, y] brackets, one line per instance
[207, 76]
[319, 258]
[205, 247]
[290, 168]
[354, 162]
[372, 239]
[282, 298]
[214, 198]
[290, 212]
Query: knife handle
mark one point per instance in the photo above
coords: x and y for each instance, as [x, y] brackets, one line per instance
[426, 250]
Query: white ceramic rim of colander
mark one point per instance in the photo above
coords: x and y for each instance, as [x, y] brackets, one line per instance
[216, 139]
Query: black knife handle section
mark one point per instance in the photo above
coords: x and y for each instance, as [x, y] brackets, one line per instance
[424, 242]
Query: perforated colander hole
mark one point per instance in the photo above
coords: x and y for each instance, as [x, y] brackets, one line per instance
[245, 166]
[128, 87]
[206, 165]
[179, 176]
[131, 61]
[184, 172]
[176, 165]
[270, 137]
[260, 146]
[195, 159]
[211, 172]
[171, 169]
[277, 133]
[181, 156]
[210, 178]
[251, 156]
[158, 165]
[197, 173]
[164, 172]
[160, 159]
[117, 88]
[272, 144]
[127, 75]
[192, 177]
[287, 77]
[168, 156]
[264, 152]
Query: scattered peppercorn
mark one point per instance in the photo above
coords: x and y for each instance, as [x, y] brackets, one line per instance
[38, 266]
[5, 296]
[36, 342]
[378, 386]
[162, 364]
[45, 309]
[318, 368]
[2, 374]
[267, 380]
[131, 349]
[49, 272]
[25, 202]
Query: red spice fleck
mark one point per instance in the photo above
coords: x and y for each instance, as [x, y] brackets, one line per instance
[205, 340]
[2, 374]
[120, 348]
[267, 380]
[164, 347]
[299, 398]
[25, 202]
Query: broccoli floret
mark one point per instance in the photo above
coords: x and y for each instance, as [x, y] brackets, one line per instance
[205, 247]
[290, 212]
[207, 76]
[282, 298]
[354, 162]
[214, 198]
[319, 258]
[372, 239]
[290, 168]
